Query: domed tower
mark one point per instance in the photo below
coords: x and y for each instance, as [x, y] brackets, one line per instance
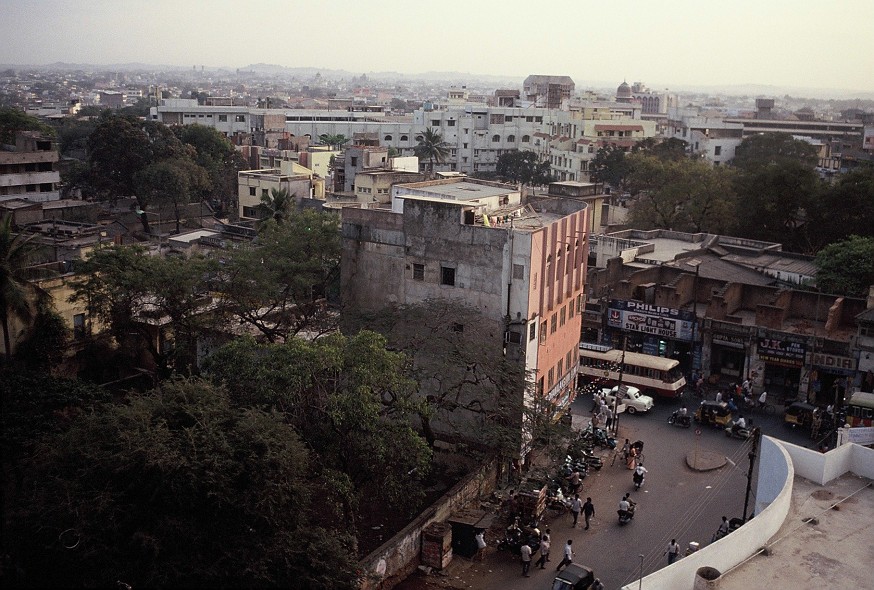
[623, 93]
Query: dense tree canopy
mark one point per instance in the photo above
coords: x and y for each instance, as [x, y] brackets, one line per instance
[16, 251]
[609, 166]
[13, 120]
[766, 149]
[842, 209]
[847, 267]
[177, 488]
[523, 167]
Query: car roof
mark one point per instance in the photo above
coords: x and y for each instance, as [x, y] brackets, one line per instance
[576, 572]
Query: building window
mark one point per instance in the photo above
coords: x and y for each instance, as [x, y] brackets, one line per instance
[264, 192]
[240, 118]
[553, 323]
[570, 309]
[223, 118]
[252, 191]
[518, 272]
[464, 146]
[450, 123]
[418, 272]
[526, 138]
[543, 331]
[435, 123]
[550, 378]
[496, 138]
[532, 331]
[388, 137]
[562, 316]
[559, 370]
[447, 276]
[404, 138]
[717, 150]
[79, 326]
[569, 358]
[511, 138]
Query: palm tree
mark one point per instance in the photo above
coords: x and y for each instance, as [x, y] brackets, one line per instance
[277, 205]
[333, 140]
[432, 147]
[15, 251]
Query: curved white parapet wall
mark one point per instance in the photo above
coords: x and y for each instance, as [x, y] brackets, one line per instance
[773, 500]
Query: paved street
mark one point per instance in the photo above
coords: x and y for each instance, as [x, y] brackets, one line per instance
[675, 502]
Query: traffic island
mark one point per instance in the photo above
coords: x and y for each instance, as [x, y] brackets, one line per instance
[705, 460]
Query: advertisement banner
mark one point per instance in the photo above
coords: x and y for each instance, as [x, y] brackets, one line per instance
[781, 352]
[665, 322]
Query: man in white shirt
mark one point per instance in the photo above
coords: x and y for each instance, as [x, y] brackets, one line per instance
[739, 423]
[568, 555]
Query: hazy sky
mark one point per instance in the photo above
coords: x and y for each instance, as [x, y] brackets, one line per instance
[800, 43]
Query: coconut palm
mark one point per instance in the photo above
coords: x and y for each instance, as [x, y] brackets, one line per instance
[15, 251]
[432, 147]
[277, 205]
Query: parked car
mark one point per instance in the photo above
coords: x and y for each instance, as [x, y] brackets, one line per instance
[713, 413]
[574, 577]
[632, 399]
[799, 414]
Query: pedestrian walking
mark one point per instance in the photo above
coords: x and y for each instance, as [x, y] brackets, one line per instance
[672, 551]
[609, 414]
[544, 552]
[576, 507]
[480, 545]
[588, 511]
[719, 396]
[526, 559]
[568, 555]
[597, 584]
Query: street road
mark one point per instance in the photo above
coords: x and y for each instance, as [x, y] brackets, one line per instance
[675, 502]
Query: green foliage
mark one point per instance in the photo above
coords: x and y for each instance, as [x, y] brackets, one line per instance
[133, 293]
[843, 209]
[12, 120]
[170, 183]
[671, 149]
[333, 140]
[432, 148]
[766, 149]
[276, 284]
[176, 488]
[349, 398]
[847, 267]
[680, 194]
[277, 205]
[609, 166]
[16, 251]
[217, 156]
[524, 167]
[46, 341]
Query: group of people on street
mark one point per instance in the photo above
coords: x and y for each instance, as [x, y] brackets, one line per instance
[602, 413]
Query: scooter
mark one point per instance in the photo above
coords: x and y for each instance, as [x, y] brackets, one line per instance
[680, 421]
[741, 433]
[625, 516]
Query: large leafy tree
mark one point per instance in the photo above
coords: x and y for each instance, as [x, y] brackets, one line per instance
[170, 184]
[847, 267]
[350, 400]
[524, 167]
[278, 283]
[432, 148]
[765, 149]
[671, 148]
[16, 252]
[12, 120]
[217, 156]
[680, 194]
[843, 209]
[135, 294]
[177, 488]
[610, 166]
[337, 140]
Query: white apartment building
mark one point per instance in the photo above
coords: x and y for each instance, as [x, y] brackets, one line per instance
[713, 138]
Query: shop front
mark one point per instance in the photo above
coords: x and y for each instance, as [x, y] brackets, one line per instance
[778, 365]
[654, 330]
[727, 350]
[829, 378]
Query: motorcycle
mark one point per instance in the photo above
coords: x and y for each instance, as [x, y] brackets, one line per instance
[680, 421]
[515, 537]
[741, 433]
[625, 516]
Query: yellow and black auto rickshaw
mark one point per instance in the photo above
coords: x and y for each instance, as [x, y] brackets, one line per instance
[715, 414]
[799, 414]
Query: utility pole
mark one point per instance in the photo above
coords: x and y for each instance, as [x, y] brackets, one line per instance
[619, 387]
[757, 436]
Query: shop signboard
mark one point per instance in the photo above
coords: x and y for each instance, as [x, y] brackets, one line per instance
[731, 340]
[665, 322]
[781, 352]
[834, 364]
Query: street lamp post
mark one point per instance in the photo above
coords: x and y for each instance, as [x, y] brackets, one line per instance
[697, 264]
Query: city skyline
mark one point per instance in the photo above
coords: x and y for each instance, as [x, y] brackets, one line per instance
[667, 45]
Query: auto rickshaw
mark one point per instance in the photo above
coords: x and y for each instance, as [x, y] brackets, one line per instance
[715, 414]
[799, 414]
[574, 577]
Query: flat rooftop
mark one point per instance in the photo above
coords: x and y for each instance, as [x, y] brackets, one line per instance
[826, 541]
[463, 191]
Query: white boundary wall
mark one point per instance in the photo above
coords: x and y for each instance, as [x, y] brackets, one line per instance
[781, 461]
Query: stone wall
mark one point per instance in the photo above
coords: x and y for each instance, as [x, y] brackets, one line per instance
[395, 559]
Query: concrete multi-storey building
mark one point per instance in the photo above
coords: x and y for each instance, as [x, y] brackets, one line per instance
[551, 92]
[29, 169]
[253, 185]
[525, 276]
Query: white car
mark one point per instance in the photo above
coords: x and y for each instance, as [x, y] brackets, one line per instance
[633, 400]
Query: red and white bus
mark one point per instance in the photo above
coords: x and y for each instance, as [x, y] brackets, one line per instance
[860, 409]
[650, 374]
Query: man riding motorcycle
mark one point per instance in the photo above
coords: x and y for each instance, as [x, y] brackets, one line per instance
[738, 424]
